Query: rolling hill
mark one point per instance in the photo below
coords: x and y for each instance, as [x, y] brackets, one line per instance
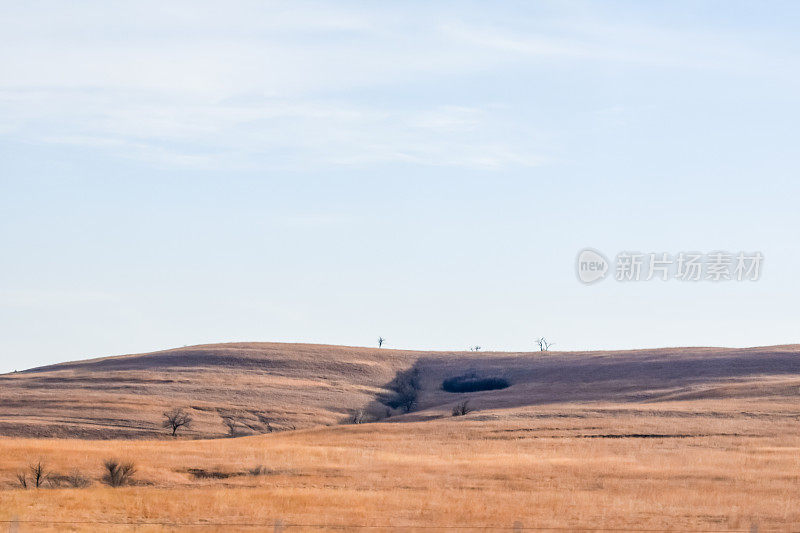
[268, 387]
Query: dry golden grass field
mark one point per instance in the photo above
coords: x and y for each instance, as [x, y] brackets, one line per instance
[674, 439]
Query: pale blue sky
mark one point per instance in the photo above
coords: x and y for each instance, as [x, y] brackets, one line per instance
[330, 172]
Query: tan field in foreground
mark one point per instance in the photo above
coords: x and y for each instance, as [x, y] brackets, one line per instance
[540, 470]
[681, 439]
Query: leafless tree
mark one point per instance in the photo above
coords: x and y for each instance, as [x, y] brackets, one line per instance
[39, 473]
[475, 349]
[405, 389]
[264, 419]
[176, 418]
[381, 340]
[118, 473]
[232, 421]
[358, 417]
[462, 409]
[543, 344]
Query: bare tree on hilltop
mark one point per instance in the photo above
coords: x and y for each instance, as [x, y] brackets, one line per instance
[543, 344]
[381, 340]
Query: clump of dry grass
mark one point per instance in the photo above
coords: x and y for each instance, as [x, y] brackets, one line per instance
[118, 473]
[258, 471]
[203, 473]
[77, 480]
[74, 479]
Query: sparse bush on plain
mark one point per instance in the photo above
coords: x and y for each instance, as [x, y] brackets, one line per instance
[35, 477]
[374, 412]
[462, 409]
[77, 480]
[74, 479]
[118, 473]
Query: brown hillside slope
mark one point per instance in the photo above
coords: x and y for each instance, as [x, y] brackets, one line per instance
[300, 385]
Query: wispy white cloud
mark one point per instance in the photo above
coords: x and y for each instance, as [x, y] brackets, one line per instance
[51, 298]
[248, 133]
[315, 221]
[600, 40]
[254, 85]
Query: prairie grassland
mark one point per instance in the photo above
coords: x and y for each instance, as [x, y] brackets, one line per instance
[682, 466]
[304, 385]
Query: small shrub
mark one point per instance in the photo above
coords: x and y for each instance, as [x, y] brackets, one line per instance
[462, 409]
[118, 473]
[77, 480]
[22, 479]
[74, 480]
[473, 383]
[258, 471]
[358, 417]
